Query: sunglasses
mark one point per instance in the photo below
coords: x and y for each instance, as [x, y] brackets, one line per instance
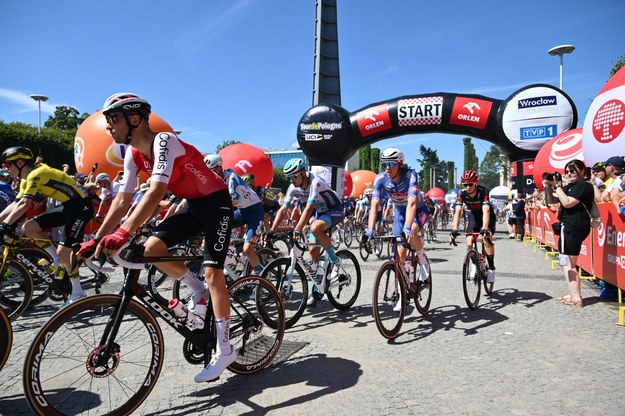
[388, 165]
[292, 177]
[468, 185]
[112, 118]
[571, 172]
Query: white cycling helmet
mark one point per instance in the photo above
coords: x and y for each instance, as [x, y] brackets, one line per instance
[103, 177]
[392, 154]
[212, 161]
[126, 102]
[368, 191]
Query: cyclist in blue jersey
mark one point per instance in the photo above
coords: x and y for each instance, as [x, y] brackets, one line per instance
[401, 185]
[323, 200]
[247, 207]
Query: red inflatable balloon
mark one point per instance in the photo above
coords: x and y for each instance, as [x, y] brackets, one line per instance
[93, 144]
[556, 153]
[246, 158]
[348, 185]
[437, 194]
[361, 179]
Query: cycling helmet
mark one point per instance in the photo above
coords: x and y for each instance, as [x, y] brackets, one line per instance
[248, 178]
[368, 191]
[126, 102]
[102, 177]
[212, 161]
[293, 166]
[392, 154]
[469, 176]
[16, 153]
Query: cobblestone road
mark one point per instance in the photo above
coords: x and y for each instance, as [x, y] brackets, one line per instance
[520, 353]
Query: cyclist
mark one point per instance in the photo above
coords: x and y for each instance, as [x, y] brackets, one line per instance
[323, 200]
[247, 207]
[481, 217]
[268, 200]
[73, 214]
[178, 167]
[434, 212]
[402, 186]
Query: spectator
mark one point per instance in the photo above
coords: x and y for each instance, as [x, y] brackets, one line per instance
[613, 167]
[576, 198]
[508, 208]
[519, 213]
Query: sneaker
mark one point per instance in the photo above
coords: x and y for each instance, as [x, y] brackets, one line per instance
[311, 300]
[397, 307]
[336, 270]
[73, 298]
[490, 276]
[218, 364]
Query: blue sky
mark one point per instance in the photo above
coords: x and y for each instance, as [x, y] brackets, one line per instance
[242, 69]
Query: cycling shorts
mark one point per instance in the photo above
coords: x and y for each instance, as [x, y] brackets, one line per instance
[251, 216]
[74, 215]
[330, 218]
[211, 214]
[475, 223]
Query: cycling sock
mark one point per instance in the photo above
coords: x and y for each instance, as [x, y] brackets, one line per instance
[51, 250]
[223, 335]
[491, 261]
[191, 281]
[258, 269]
[331, 254]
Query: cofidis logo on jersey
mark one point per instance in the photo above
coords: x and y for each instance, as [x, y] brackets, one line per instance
[374, 120]
[470, 112]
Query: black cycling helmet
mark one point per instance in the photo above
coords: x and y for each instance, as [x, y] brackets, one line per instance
[127, 103]
[16, 153]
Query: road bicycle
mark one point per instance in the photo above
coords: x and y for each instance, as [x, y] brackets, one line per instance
[475, 271]
[104, 353]
[393, 287]
[291, 276]
[6, 337]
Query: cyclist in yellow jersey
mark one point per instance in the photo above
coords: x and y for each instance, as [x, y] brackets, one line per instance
[76, 210]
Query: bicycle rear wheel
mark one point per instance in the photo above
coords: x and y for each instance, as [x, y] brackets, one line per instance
[423, 294]
[389, 301]
[6, 337]
[32, 256]
[363, 250]
[293, 288]
[256, 323]
[343, 294]
[65, 373]
[471, 279]
[348, 237]
[16, 289]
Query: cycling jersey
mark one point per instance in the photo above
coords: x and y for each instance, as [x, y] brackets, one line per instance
[475, 203]
[399, 191]
[320, 195]
[240, 192]
[174, 162]
[51, 183]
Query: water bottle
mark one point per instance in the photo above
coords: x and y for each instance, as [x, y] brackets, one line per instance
[199, 314]
[179, 309]
[321, 270]
[409, 270]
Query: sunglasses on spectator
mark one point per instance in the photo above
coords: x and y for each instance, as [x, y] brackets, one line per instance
[468, 185]
[388, 165]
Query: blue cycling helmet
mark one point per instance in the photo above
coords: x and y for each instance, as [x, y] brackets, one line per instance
[293, 166]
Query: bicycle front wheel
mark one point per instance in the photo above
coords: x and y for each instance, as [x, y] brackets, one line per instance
[65, 371]
[488, 287]
[389, 301]
[6, 337]
[16, 289]
[364, 251]
[471, 279]
[256, 323]
[343, 293]
[293, 287]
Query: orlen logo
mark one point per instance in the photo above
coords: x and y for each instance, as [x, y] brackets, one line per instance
[564, 149]
[243, 165]
[609, 121]
[601, 233]
[374, 120]
[470, 112]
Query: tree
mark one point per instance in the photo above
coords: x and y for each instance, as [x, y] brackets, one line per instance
[620, 62]
[364, 158]
[470, 157]
[65, 119]
[280, 180]
[433, 168]
[224, 144]
[491, 167]
[451, 177]
[375, 158]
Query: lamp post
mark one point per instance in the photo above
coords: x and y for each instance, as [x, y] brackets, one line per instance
[39, 98]
[560, 50]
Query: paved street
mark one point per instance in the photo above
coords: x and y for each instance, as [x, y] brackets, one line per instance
[520, 353]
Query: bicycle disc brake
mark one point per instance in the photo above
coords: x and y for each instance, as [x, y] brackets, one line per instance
[97, 366]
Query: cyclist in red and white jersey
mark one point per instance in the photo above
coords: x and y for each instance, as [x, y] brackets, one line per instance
[481, 216]
[179, 168]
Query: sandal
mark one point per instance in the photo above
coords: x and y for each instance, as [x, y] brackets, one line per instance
[575, 303]
[563, 298]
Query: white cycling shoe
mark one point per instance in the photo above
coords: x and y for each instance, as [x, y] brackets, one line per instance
[73, 298]
[218, 364]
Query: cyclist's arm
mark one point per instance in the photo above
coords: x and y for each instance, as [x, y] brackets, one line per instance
[146, 207]
[457, 215]
[19, 209]
[279, 216]
[7, 211]
[485, 216]
[119, 207]
[373, 212]
[411, 210]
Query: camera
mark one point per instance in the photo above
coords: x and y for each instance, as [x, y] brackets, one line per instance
[555, 176]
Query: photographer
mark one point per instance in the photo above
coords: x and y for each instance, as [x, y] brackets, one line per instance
[574, 221]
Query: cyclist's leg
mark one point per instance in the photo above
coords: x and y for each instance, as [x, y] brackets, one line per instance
[34, 228]
[77, 214]
[398, 224]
